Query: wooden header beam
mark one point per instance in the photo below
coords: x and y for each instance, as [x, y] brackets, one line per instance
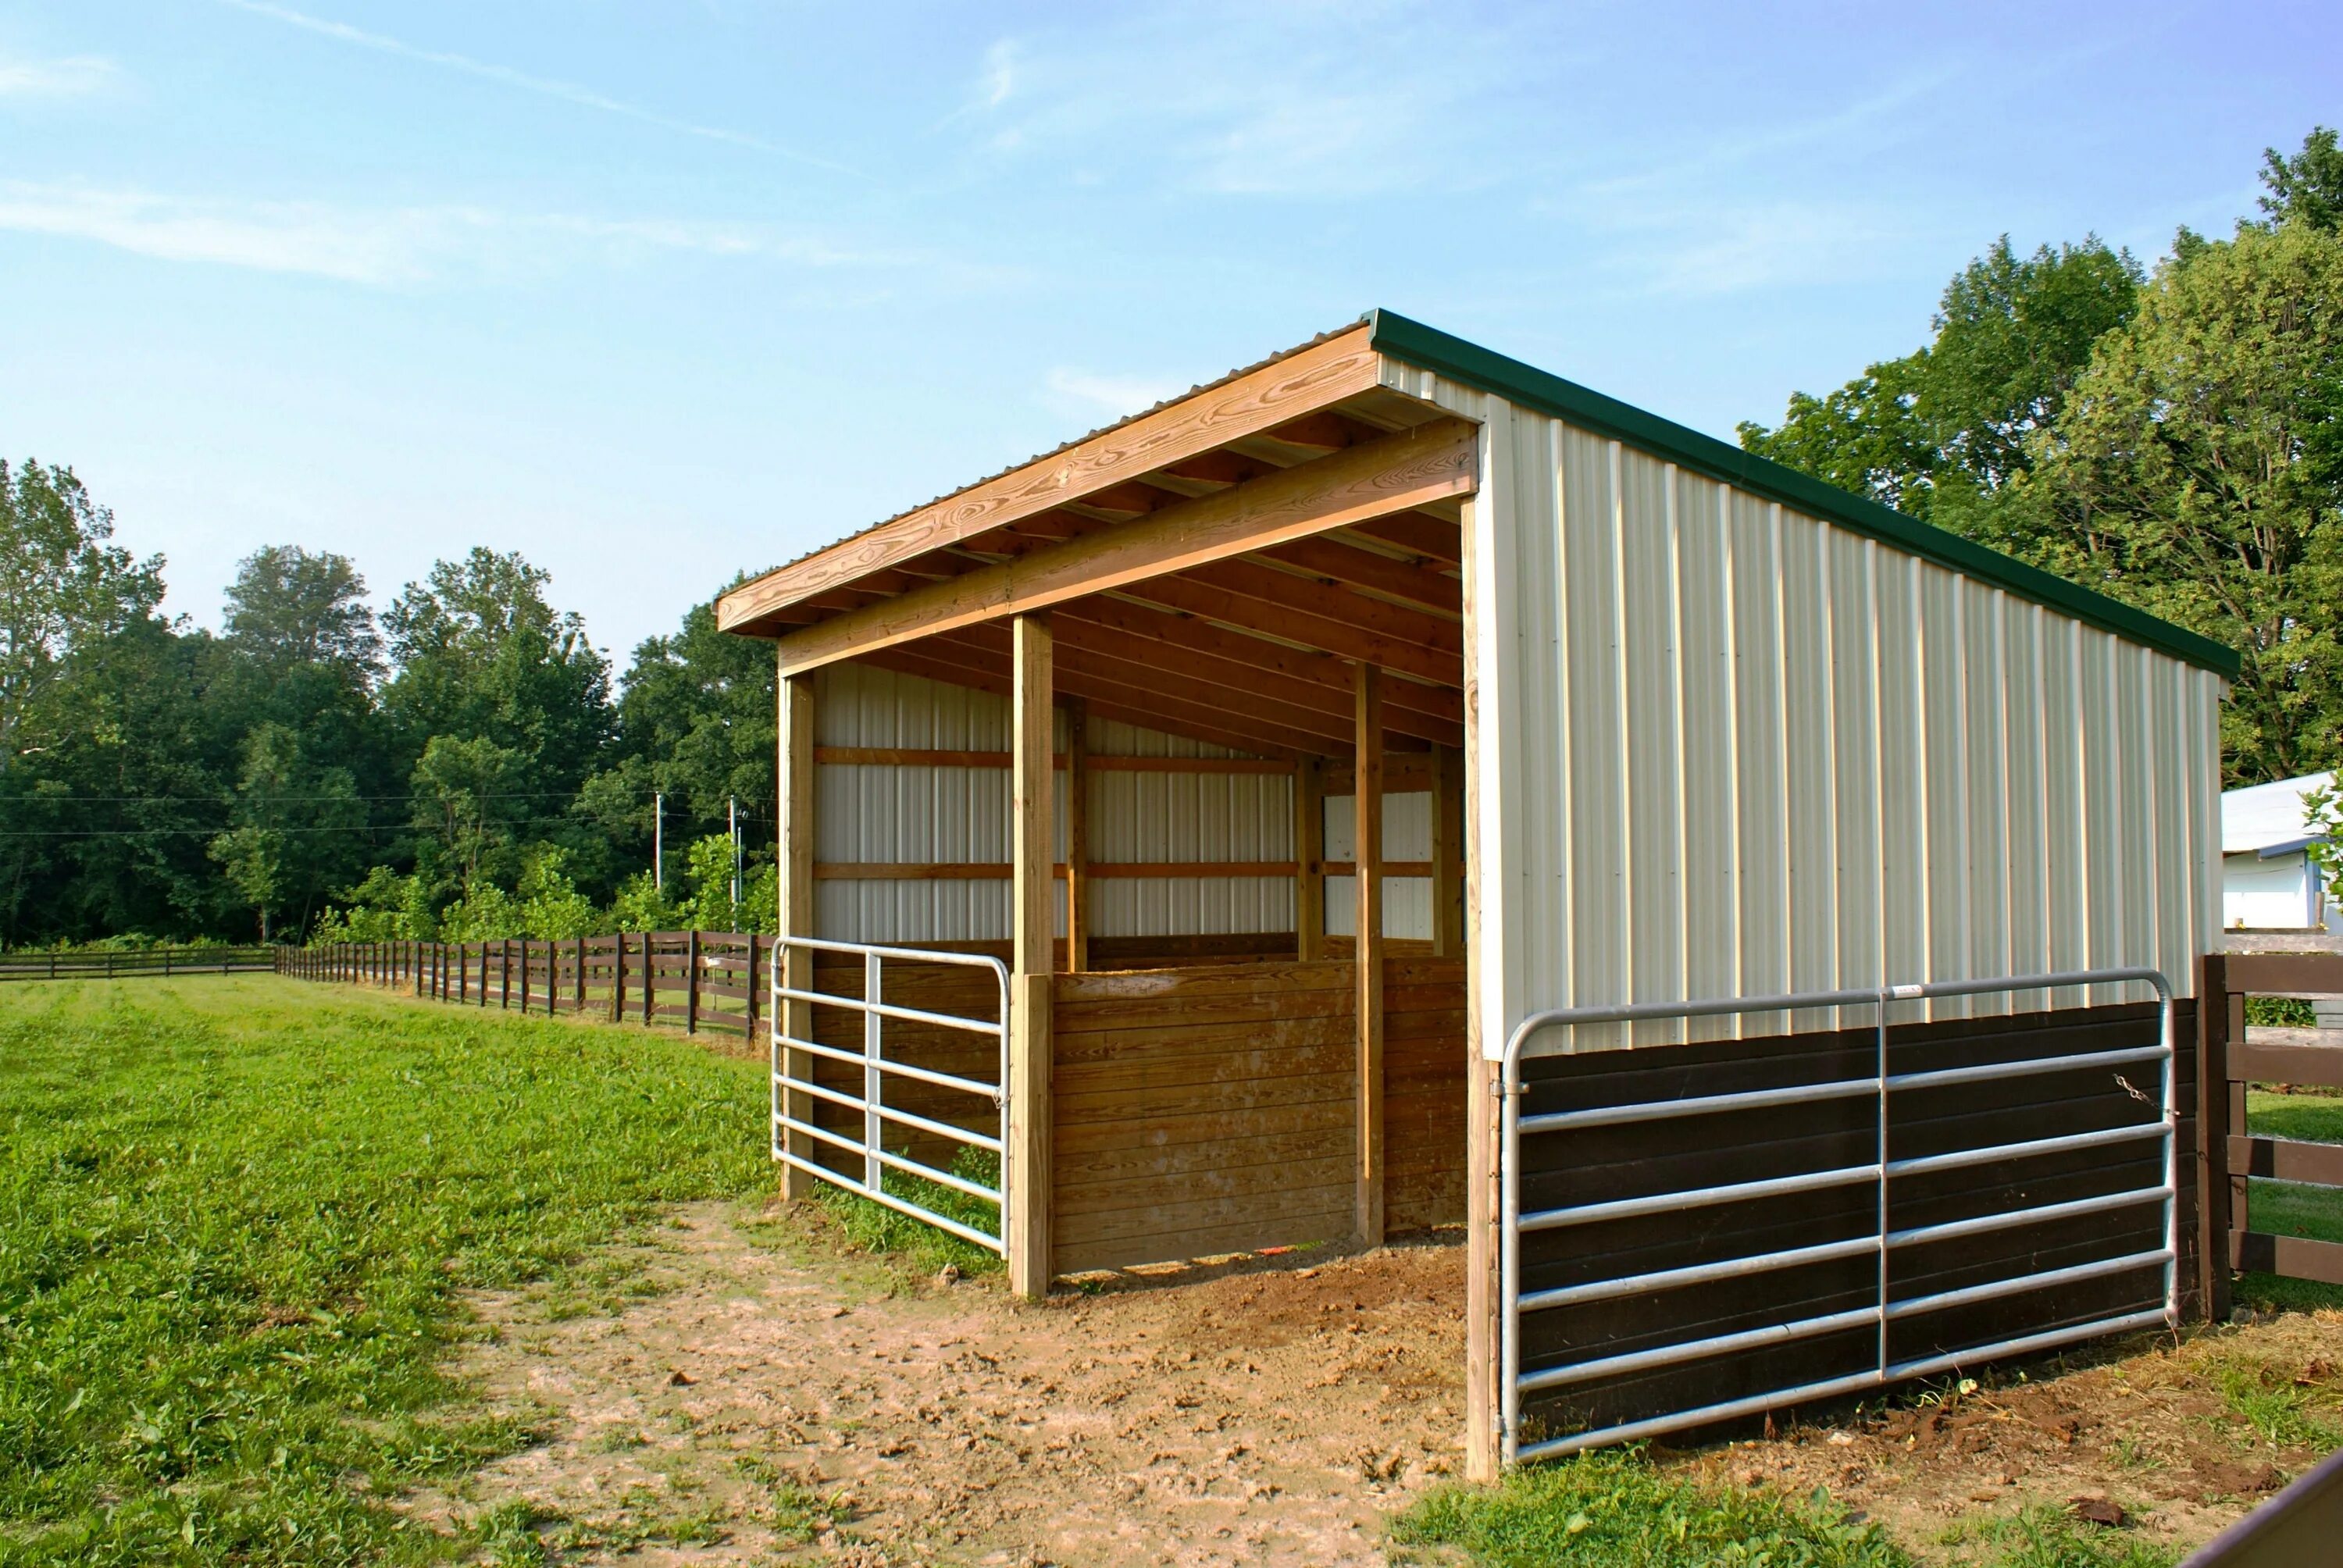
[1398, 472]
[1277, 393]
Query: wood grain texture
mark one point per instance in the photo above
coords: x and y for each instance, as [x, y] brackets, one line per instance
[1313, 378]
[1367, 881]
[1390, 475]
[1033, 915]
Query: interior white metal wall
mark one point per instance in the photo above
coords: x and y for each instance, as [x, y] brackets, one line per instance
[1731, 749]
[903, 814]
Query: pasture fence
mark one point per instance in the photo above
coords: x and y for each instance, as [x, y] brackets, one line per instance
[694, 980]
[128, 962]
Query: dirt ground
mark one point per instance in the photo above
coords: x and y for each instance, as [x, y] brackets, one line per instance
[749, 1396]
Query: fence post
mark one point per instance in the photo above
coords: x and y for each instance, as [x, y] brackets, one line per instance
[651, 975]
[580, 994]
[618, 976]
[524, 974]
[2214, 1223]
[691, 986]
[753, 940]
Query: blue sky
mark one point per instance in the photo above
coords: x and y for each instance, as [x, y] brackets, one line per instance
[656, 292]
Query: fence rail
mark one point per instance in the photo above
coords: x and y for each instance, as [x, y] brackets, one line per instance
[694, 980]
[2232, 1060]
[137, 962]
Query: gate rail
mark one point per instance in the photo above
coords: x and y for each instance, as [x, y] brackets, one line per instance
[875, 1113]
[1884, 1311]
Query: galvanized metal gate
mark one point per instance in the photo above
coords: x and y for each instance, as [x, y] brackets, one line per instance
[866, 1094]
[1879, 1172]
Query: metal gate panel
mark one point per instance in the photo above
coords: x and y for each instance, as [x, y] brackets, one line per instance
[1879, 1173]
[867, 1099]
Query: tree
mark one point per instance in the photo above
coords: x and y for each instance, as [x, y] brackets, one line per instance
[1942, 432]
[289, 609]
[300, 830]
[2186, 477]
[464, 805]
[62, 587]
[2309, 186]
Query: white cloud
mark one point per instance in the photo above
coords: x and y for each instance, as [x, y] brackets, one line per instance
[546, 86]
[1114, 395]
[396, 245]
[66, 78]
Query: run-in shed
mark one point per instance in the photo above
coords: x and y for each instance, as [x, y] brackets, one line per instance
[1246, 773]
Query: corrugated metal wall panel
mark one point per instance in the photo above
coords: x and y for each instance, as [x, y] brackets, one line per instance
[1747, 750]
[1407, 836]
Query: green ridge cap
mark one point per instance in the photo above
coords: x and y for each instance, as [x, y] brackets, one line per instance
[1433, 349]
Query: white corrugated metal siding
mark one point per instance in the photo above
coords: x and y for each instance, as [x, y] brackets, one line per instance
[905, 814]
[1727, 749]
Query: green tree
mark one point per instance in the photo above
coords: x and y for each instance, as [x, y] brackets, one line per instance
[62, 587]
[300, 830]
[1942, 432]
[2309, 186]
[2185, 477]
[464, 803]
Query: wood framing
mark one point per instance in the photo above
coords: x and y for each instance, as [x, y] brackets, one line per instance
[793, 966]
[1309, 854]
[1448, 852]
[1403, 471]
[1078, 836]
[1368, 880]
[1033, 920]
[1342, 365]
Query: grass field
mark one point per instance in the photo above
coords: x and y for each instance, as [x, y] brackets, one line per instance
[234, 1217]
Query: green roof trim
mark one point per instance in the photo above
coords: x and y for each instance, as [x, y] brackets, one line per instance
[1398, 337]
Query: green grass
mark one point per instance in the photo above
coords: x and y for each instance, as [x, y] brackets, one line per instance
[2291, 1209]
[876, 1228]
[234, 1216]
[1614, 1510]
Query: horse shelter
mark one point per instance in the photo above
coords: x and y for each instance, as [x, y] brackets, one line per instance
[1395, 787]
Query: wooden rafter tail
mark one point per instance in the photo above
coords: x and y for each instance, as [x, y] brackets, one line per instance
[1322, 374]
[1437, 459]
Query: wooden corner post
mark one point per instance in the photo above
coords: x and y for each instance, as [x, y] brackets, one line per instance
[1078, 836]
[1309, 859]
[2219, 1027]
[1485, 631]
[1367, 853]
[1033, 907]
[793, 967]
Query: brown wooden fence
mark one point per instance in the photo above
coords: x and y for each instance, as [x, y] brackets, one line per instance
[2230, 1156]
[138, 961]
[692, 980]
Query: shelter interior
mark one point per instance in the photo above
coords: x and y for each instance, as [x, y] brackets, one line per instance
[1262, 582]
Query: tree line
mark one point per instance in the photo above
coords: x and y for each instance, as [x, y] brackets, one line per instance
[464, 765]
[2172, 437]
[460, 765]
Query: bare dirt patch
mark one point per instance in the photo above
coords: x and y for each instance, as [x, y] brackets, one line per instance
[765, 1404]
[749, 1392]
[2173, 1440]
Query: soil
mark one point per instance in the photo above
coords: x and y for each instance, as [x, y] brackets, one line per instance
[757, 1396]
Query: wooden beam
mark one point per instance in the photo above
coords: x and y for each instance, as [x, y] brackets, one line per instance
[1293, 591]
[924, 757]
[1331, 558]
[1368, 852]
[1342, 637]
[935, 666]
[1390, 475]
[1033, 917]
[1309, 853]
[1448, 852]
[1434, 539]
[1173, 629]
[1301, 382]
[794, 1020]
[1078, 836]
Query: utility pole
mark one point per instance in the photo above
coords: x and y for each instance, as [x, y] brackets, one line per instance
[733, 822]
[659, 843]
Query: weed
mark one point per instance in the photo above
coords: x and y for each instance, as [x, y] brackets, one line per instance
[2047, 1537]
[2283, 1410]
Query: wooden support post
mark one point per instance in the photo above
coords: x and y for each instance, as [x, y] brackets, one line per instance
[1448, 854]
[1078, 836]
[2213, 1125]
[1485, 629]
[650, 977]
[1368, 855]
[794, 966]
[692, 981]
[2237, 1220]
[524, 974]
[1310, 860]
[618, 976]
[1032, 914]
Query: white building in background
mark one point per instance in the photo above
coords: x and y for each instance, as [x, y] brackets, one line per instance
[2267, 882]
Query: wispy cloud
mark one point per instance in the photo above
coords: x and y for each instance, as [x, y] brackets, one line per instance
[68, 77]
[398, 245]
[1115, 396]
[546, 86]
